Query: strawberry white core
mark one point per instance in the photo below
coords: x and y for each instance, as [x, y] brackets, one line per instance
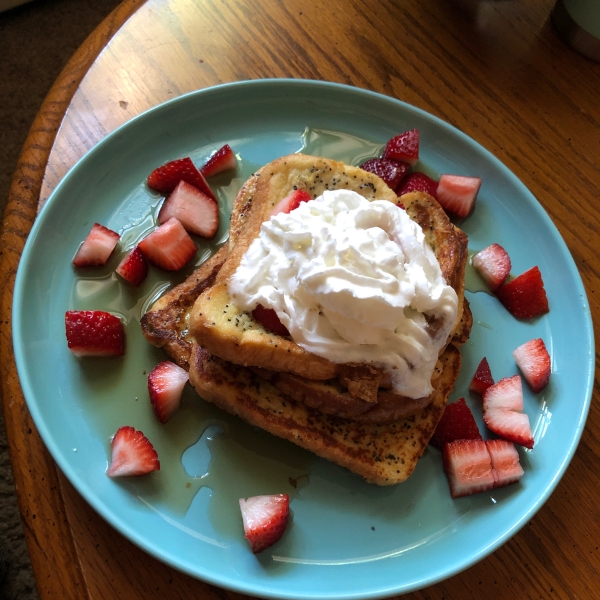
[352, 280]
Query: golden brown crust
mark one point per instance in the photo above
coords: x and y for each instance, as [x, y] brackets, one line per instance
[165, 324]
[384, 454]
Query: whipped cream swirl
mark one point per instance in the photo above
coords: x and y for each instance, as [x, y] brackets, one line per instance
[353, 280]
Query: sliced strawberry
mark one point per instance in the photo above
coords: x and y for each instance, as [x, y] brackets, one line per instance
[482, 379]
[533, 361]
[391, 171]
[290, 202]
[97, 247]
[505, 462]
[468, 467]
[507, 394]
[525, 297]
[94, 333]
[403, 147]
[493, 264]
[134, 267]
[268, 318]
[222, 160]
[165, 179]
[198, 213]
[169, 246]
[457, 423]
[165, 387]
[509, 425]
[457, 194]
[132, 454]
[417, 182]
[265, 519]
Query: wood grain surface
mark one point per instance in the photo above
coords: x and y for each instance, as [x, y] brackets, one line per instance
[495, 69]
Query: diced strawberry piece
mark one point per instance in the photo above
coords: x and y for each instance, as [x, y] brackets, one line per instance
[132, 454]
[169, 246]
[509, 425]
[165, 179]
[502, 406]
[290, 202]
[94, 333]
[265, 519]
[165, 387]
[533, 361]
[482, 379]
[505, 462]
[222, 160]
[457, 423]
[417, 182]
[525, 297]
[134, 267]
[457, 194]
[198, 213]
[391, 171]
[97, 247]
[403, 147]
[468, 467]
[474, 466]
[506, 394]
[268, 318]
[493, 264]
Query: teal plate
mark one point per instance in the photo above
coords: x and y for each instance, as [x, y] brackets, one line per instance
[348, 539]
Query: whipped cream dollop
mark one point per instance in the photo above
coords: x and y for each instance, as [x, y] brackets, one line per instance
[353, 280]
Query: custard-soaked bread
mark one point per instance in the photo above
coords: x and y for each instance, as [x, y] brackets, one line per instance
[382, 453]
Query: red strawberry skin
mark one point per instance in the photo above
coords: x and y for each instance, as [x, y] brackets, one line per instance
[94, 333]
[97, 247]
[418, 182]
[222, 160]
[391, 171]
[198, 213]
[457, 423]
[132, 454]
[482, 379]
[165, 179]
[291, 202]
[165, 387]
[169, 246]
[468, 467]
[268, 318]
[403, 147]
[493, 264]
[534, 362]
[265, 519]
[134, 267]
[525, 297]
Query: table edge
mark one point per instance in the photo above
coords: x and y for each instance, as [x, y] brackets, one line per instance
[56, 567]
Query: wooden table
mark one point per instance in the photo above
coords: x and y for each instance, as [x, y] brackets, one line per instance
[495, 70]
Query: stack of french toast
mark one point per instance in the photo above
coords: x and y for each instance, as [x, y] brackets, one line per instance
[348, 413]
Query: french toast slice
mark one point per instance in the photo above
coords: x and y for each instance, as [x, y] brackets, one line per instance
[381, 453]
[226, 331]
[384, 453]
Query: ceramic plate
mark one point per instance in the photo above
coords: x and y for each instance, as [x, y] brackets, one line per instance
[348, 539]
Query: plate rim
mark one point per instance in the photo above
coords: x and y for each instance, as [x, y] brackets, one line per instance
[344, 89]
